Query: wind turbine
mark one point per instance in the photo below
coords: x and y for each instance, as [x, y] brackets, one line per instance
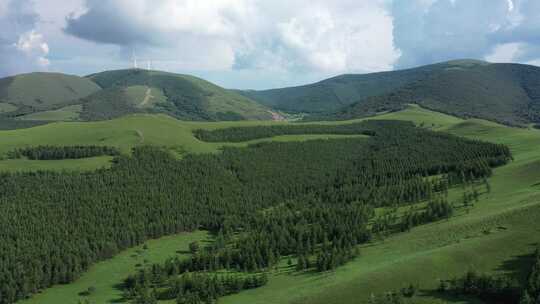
[134, 57]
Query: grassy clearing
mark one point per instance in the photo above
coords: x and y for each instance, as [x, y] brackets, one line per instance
[125, 133]
[44, 90]
[145, 97]
[106, 275]
[69, 113]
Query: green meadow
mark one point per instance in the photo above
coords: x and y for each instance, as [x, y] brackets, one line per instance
[105, 276]
[68, 113]
[494, 236]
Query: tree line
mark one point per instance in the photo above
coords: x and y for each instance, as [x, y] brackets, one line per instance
[62, 152]
[240, 134]
[147, 287]
[311, 201]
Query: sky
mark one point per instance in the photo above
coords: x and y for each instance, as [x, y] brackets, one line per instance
[258, 44]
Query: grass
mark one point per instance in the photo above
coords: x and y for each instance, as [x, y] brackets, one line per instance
[68, 113]
[144, 96]
[43, 90]
[123, 133]
[105, 276]
[494, 236]
[200, 98]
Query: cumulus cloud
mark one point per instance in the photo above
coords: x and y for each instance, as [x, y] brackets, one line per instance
[285, 42]
[22, 48]
[33, 45]
[504, 52]
[342, 38]
[299, 35]
[432, 31]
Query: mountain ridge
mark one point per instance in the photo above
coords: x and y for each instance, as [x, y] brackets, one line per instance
[502, 92]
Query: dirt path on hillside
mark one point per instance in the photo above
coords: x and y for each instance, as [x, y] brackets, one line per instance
[276, 116]
[141, 136]
[146, 97]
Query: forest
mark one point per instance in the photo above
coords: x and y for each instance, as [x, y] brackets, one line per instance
[240, 134]
[62, 152]
[309, 201]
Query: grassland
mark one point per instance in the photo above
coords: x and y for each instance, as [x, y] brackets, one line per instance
[494, 236]
[123, 133]
[105, 276]
[145, 97]
[43, 90]
[67, 113]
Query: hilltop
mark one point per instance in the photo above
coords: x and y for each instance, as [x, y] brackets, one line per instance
[182, 96]
[506, 93]
[32, 99]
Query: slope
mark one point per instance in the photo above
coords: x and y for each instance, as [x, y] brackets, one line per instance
[506, 93]
[333, 93]
[182, 96]
[43, 91]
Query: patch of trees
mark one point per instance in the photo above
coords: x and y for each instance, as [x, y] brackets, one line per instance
[63, 152]
[490, 288]
[309, 200]
[190, 288]
[240, 134]
[531, 291]
[435, 210]
[7, 123]
[107, 104]
[497, 289]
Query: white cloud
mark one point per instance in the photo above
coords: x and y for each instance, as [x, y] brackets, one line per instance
[506, 52]
[341, 36]
[332, 39]
[534, 62]
[33, 45]
[510, 5]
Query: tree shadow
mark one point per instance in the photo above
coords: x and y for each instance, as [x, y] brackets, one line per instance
[449, 297]
[518, 266]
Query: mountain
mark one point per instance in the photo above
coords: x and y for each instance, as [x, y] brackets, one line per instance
[507, 93]
[182, 96]
[42, 91]
[334, 93]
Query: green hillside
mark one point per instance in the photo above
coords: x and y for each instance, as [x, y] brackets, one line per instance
[43, 91]
[506, 93]
[334, 93]
[182, 96]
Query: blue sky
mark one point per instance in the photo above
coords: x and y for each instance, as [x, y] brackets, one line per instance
[262, 44]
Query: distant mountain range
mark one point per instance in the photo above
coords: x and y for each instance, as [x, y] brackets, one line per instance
[507, 93]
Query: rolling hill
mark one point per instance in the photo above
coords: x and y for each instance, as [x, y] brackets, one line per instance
[182, 96]
[33, 99]
[506, 93]
[43, 91]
